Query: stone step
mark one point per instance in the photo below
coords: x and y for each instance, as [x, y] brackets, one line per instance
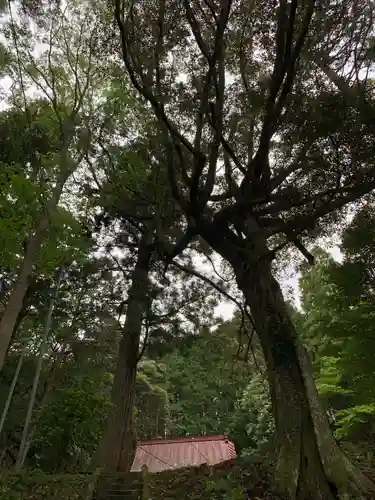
[119, 496]
[118, 492]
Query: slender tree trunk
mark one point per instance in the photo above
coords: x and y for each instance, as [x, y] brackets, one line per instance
[310, 464]
[117, 448]
[46, 391]
[2, 455]
[11, 391]
[21, 316]
[25, 440]
[16, 328]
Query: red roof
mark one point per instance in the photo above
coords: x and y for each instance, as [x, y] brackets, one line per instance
[174, 453]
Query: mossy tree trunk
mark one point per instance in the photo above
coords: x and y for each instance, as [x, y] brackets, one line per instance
[310, 464]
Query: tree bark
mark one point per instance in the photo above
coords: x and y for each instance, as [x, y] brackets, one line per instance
[310, 464]
[15, 302]
[22, 314]
[118, 445]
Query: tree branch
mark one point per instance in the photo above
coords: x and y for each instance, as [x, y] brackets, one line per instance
[306, 221]
[207, 280]
[284, 67]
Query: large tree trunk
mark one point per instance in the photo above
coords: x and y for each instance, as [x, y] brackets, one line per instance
[117, 448]
[310, 464]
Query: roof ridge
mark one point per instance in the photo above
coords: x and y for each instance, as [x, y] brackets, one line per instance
[185, 439]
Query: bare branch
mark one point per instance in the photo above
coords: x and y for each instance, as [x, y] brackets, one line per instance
[206, 279]
[217, 108]
[211, 5]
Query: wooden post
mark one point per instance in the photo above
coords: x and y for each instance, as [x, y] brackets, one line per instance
[92, 484]
[145, 484]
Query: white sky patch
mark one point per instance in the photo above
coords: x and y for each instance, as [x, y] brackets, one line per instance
[291, 284]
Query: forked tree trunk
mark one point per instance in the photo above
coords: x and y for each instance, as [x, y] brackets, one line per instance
[118, 445]
[310, 464]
